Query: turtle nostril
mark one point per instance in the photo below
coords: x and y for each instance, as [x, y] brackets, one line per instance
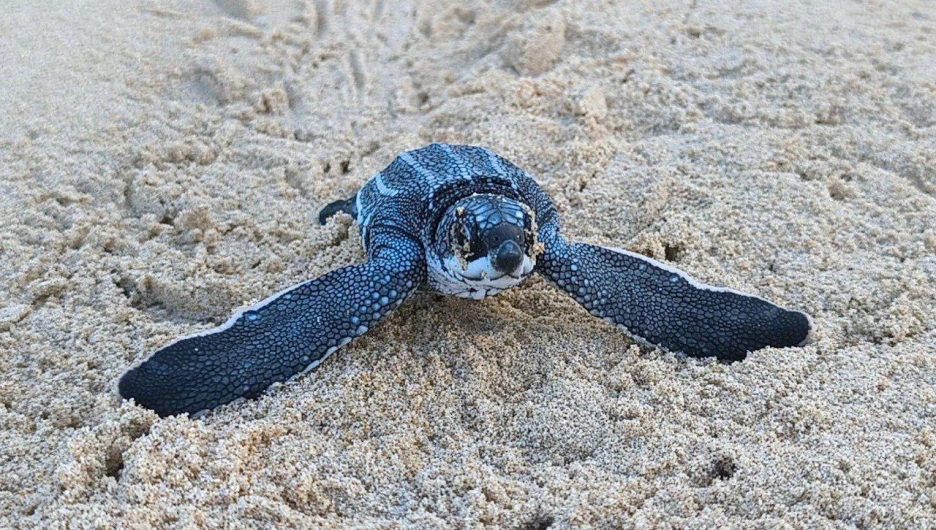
[508, 257]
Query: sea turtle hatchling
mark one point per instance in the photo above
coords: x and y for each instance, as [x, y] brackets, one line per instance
[462, 221]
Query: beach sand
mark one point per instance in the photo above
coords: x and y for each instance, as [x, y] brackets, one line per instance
[163, 163]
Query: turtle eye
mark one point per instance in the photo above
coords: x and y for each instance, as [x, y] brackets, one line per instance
[460, 236]
[465, 239]
[504, 232]
[477, 248]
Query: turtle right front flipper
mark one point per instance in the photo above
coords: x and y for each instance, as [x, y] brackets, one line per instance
[280, 337]
[662, 306]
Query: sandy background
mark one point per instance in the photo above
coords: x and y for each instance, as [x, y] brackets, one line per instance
[162, 163]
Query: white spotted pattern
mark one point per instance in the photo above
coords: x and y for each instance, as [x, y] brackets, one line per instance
[383, 188]
[432, 178]
[458, 162]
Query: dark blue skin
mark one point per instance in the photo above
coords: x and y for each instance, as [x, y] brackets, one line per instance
[455, 203]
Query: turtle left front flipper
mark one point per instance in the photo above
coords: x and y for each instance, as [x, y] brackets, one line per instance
[662, 306]
[280, 337]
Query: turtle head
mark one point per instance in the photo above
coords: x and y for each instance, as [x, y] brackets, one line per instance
[486, 238]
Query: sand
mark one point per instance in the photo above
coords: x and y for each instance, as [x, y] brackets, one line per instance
[163, 163]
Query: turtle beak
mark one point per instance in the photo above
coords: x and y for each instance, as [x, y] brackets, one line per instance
[508, 257]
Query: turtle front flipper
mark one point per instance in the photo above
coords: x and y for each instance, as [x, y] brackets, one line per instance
[662, 306]
[278, 338]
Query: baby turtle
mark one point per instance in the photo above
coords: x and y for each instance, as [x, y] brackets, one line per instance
[462, 221]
